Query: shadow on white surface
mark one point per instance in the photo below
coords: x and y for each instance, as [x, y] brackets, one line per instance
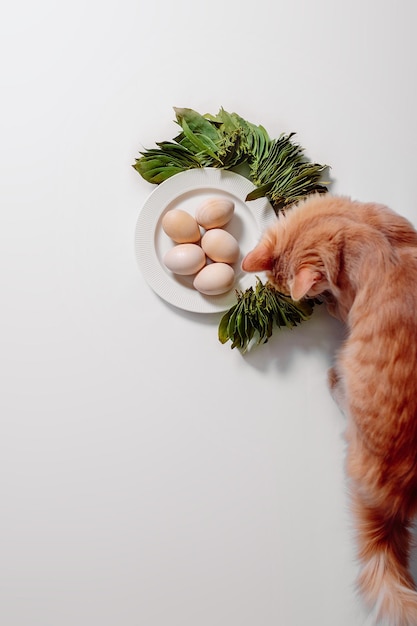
[320, 334]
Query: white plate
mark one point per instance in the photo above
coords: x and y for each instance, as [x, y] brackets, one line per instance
[187, 190]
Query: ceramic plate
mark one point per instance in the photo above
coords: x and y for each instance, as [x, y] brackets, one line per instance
[187, 191]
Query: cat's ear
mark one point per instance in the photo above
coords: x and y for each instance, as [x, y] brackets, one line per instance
[259, 259]
[303, 281]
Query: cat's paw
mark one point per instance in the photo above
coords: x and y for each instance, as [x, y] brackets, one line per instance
[336, 387]
[332, 379]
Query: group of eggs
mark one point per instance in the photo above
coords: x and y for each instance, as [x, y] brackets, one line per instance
[208, 256]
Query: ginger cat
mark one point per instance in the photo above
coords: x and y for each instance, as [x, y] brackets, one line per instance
[362, 258]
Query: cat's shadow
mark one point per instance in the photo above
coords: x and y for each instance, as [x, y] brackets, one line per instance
[322, 334]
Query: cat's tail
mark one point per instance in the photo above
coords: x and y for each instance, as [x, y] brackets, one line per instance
[385, 580]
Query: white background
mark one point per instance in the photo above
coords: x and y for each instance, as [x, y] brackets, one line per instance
[150, 476]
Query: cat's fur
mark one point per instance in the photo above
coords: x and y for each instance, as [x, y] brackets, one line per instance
[363, 258]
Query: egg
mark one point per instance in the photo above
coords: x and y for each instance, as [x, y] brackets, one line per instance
[214, 279]
[180, 226]
[220, 245]
[185, 259]
[214, 212]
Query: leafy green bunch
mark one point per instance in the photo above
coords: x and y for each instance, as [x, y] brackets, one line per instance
[277, 167]
[257, 311]
[279, 171]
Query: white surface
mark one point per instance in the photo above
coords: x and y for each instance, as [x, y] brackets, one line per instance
[187, 191]
[148, 474]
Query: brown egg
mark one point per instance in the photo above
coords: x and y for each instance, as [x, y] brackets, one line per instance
[180, 226]
[215, 212]
[220, 245]
[185, 259]
[214, 279]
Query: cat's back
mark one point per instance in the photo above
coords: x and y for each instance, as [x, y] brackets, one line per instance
[379, 358]
[398, 230]
[387, 288]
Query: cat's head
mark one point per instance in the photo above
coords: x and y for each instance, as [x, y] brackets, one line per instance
[300, 253]
[287, 270]
[330, 244]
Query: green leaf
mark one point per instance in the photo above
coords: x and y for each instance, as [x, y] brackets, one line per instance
[278, 167]
[223, 325]
[259, 192]
[202, 144]
[196, 123]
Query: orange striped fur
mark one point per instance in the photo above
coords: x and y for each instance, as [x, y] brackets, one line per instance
[362, 259]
